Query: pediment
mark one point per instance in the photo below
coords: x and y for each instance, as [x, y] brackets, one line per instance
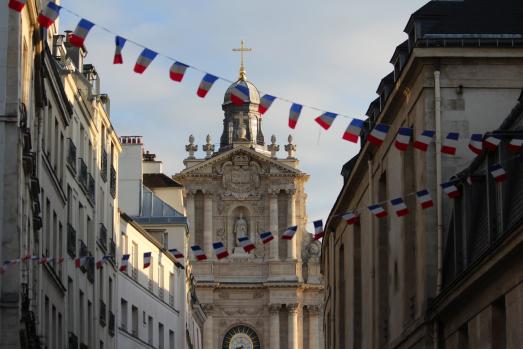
[240, 157]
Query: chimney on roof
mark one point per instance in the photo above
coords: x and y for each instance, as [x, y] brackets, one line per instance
[75, 54]
[150, 164]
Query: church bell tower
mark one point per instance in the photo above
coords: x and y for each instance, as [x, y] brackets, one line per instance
[269, 297]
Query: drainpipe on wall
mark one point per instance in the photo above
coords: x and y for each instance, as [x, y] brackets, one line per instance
[437, 112]
[373, 269]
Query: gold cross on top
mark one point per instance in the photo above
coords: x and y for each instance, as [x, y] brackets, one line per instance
[242, 49]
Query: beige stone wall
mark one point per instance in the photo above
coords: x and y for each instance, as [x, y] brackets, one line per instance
[398, 256]
[265, 290]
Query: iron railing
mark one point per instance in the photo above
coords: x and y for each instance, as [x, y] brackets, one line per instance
[71, 155]
[112, 323]
[91, 189]
[103, 166]
[112, 182]
[71, 240]
[82, 176]
[102, 238]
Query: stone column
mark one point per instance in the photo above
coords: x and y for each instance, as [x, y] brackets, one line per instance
[293, 326]
[190, 216]
[291, 221]
[207, 225]
[274, 310]
[273, 216]
[314, 326]
[208, 328]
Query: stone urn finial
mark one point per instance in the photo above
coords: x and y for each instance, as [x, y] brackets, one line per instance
[191, 148]
[290, 148]
[208, 147]
[273, 147]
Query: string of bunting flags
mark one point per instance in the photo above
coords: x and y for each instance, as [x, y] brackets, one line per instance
[240, 93]
[398, 206]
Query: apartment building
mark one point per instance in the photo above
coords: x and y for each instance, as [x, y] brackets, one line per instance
[153, 220]
[407, 282]
[59, 174]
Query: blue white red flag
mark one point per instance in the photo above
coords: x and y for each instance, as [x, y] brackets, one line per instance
[378, 211]
[146, 260]
[476, 143]
[491, 143]
[125, 263]
[450, 189]
[206, 84]
[289, 233]
[177, 71]
[246, 243]
[319, 232]
[176, 253]
[119, 44]
[43, 260]
[423, 140]
[424, 199]
[77, 38]
[266, 237]
[26, 257]
[498, 172]
[294, 114]
[352, 133]
[219, 250]
[351, 217]
[378, 134]
[398, 205]
[239, 94]
[143, 61]
[17, 5]
[265, 103]
[326, 119]
[516, 144]
[403, 138]
[450, 143]
[198, 253]
[48, 15]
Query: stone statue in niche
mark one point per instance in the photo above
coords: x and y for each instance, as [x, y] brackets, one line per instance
[240, 228]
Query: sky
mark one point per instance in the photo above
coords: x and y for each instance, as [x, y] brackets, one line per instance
[328, 54]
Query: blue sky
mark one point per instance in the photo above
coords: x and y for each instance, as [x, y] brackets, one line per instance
[329, 54]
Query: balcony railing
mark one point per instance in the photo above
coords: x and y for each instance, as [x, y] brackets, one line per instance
[82, 176]
[103, 166]
[171, 300]
[112, 182]
[102, 238]
[103, 314]
[91, 189]
[151, 285]
[83, 252]
[71, 155]
[112, 249]
[71, 240]
[160, 293]
[112, 323]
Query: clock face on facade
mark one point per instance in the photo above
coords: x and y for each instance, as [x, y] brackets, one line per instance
[241, 337]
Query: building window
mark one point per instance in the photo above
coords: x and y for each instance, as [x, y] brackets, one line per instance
[160, 336]
[171, 339]
[81, 314]
[341, 295]
[134, 319]
[123, 311]
[134, 252]
[150, 329]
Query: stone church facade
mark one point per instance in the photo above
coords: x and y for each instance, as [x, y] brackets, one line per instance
[271, 297]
